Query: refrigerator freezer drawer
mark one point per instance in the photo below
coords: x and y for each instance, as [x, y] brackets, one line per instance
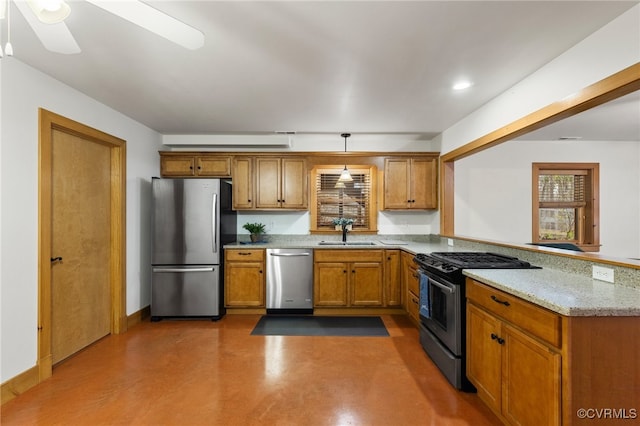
[185, 291]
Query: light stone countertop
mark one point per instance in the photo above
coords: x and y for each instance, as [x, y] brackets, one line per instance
[562, 292]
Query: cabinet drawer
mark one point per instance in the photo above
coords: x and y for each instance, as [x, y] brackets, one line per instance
[244, 255]
[538, 321]
[413, 305]
[413, 284]
[348, 255]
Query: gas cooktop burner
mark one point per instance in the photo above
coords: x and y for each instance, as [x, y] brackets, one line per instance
[452, 263]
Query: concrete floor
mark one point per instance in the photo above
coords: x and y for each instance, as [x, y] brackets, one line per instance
[216, 373]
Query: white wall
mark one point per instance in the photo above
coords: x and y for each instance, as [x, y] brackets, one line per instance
[493, 190]
[24, 90]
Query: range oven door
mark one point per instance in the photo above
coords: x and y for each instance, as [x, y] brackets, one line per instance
[440, 310]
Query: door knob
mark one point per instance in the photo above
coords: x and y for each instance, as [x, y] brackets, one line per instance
[56, 259]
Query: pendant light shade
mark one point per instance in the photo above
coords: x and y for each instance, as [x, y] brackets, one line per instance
[345, 176]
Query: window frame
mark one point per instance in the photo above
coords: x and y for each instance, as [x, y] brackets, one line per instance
[588, 238]
[337, 169]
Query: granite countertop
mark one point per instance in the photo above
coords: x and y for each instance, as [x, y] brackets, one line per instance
[562, 292]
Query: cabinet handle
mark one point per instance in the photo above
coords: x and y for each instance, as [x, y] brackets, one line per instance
[242, 253]
[415, 275]
[344, 271]
[56, 259]
[496, 337]
[414, 300]
[260, 271]
[502, 302]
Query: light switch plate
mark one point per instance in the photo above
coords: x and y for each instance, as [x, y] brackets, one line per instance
[603, 274]
[450, 242]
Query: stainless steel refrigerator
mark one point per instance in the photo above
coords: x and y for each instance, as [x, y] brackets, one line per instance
[192, 219]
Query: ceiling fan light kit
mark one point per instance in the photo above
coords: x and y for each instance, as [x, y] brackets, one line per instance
[50, 11]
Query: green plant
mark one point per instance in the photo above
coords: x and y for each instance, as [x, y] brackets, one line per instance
[254, 228]
[343, 221]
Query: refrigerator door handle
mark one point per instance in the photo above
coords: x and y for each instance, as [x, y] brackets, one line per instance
[161, 269]
[214, 222]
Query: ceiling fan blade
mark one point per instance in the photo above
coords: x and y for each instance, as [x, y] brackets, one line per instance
[155, 21]
[54, 37]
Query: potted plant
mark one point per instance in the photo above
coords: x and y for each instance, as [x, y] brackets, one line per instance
[343, 223]
[255, 229]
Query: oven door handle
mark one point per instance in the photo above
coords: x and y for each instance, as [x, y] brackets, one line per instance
[441, 286]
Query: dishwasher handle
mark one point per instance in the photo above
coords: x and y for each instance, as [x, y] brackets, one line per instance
[290, 254]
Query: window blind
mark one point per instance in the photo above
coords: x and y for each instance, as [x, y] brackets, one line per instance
[351, 201]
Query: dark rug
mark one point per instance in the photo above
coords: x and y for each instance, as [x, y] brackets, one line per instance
[298, 325]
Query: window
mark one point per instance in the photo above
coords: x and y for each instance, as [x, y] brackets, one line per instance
[565, 204]
[356, 200]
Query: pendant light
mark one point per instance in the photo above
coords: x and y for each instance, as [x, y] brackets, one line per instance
[345, 176]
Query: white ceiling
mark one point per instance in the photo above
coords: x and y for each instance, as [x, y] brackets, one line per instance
[314, 67]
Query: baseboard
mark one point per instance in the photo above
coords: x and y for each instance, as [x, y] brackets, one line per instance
[20, 384]
[138, 317]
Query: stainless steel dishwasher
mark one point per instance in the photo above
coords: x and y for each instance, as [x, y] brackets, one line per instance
[290, 281]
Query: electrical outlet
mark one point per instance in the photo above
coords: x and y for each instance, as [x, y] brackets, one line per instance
[603, 274]
[450, 242]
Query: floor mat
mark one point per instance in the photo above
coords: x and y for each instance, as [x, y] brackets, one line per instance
[297, 325]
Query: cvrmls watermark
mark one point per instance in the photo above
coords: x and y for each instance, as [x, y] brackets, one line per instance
[607, 413]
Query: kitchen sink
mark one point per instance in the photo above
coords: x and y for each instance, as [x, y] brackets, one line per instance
[348, 243]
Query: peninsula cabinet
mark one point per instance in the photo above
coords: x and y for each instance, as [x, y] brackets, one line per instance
[244, 282]
[532, 366]
[348, 278]
[281, 183]
[187, 165]
[410, 183]
[410, 286]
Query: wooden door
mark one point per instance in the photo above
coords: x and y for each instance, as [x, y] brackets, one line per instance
[396, 184]
[244, 284]
[242, 183]
[294, 183]
[330, 284]
[531, 384]
[484, 356]
[366, 284]
[268, 184]
[423, 184]
[81, 218]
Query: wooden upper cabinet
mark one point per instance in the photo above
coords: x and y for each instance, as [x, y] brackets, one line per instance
[281, 183]
[410, 183]
[189, 165]
[243, 183]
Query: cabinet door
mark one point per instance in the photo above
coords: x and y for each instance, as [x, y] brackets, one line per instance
[330, 284]
[392, 282]
[423, 183]
[268, 183]
[531, 383]
[242, 183]
[219, 166]
[177, 165]
[484, 356]
[396, 183]
[294, 183]
[366, 284]
[244, 284]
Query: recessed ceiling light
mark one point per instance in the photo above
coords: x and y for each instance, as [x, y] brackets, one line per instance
[461, 85]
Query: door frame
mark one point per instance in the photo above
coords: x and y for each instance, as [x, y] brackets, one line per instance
[48, 122]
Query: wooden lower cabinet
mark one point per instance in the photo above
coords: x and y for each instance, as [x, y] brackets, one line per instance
[410, 286]
[392, 279]
[516, 376]
[244, 281]
[533, 366]
[348, 278]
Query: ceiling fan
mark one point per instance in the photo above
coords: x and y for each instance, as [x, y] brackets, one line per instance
[46, 18]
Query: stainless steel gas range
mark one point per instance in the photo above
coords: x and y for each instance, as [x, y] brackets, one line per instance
[442, 306]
